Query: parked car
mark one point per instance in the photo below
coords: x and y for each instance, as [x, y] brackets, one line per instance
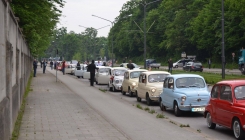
[79, 72]
[184, 92]
[150, 85]
[70, 68]
[227, 107]
[130, 82]
[116, 78]
[125, 65]
[180, 62]
[102, 76]
[193, 66]
[86, 74]
[152, 63]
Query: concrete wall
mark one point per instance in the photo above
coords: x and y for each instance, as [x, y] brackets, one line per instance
[15, 70]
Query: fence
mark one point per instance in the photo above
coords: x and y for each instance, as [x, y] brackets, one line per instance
[15, 69]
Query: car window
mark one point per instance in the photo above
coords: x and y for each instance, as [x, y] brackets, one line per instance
[187, 82]
[166, 83]
[118, 72]
[142, 78]
[157, 78]
[240, 92]
[225, 93]
[215, 92]
[126, 75]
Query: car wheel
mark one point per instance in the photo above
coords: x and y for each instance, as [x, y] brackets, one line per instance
[162, 107]
[82, 76]
[130, 92]
[110, 88]
[237, 129]
[148, 100]
[177, 111]
[78, 76]
[123, 92]
[96, 82]
[137, 97]
[210, 124]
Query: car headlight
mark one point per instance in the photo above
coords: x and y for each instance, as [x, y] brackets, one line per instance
[183, 98]
[153, 90]
[133, 84]
[117, 81]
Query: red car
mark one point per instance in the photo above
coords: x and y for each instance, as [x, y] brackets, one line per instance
[227, 107]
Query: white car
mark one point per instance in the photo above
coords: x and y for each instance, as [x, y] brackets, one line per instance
[79, 73]
[116, 78]
[70, 68]
[86, 74]
[130, 82]
[150, 85]
[102, 75]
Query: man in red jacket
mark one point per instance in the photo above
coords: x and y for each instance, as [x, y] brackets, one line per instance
[63, 67]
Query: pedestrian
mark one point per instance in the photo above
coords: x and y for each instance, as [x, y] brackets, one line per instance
[44, 66]
[78, 66]
[209, 63]
[35, 67]
[63, 67]
[170, 65]
[51, 64]
[130, 65]
[91, 69]
[104, 64]
[55, 64]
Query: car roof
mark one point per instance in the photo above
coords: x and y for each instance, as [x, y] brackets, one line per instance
[118, 68]
[156, 72]
[184, 75]
[137, 70]
[232, 82]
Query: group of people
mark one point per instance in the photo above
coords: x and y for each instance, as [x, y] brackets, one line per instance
[43, 65]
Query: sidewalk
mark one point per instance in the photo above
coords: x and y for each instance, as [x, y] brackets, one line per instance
[54, 112]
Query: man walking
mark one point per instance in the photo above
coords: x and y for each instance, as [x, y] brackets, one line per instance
[170, 65]
[44, 66]
[35, 67]
[91, 69]
[130, 65]
[51, 64]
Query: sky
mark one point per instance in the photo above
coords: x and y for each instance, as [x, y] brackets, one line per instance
[79, 12]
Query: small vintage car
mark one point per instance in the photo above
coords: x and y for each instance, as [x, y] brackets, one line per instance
[193, 66]
[70, 68]
[184, 92]
[116, 78]
[80, 71]
[102, 75]
[150, 85]
[227, 107]
[130, 82]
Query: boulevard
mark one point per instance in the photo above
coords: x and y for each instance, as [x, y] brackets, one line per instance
[121, 111]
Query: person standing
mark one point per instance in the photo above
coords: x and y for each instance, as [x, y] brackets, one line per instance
[91, 68]
[130, 65]
[35, 67]
[209, 63]
[51, 64]
[63, 67]
[170, 65]
[44, 66]
[78, 66]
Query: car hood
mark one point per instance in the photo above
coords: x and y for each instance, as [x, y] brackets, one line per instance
[134, 80]
[194, 91]
[157, 85]
[119, 77]
[240, 103]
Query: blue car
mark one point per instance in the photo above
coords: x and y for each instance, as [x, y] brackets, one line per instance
[184, 92]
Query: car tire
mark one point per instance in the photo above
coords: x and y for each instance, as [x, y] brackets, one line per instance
[210, 124]
[177, 111]
[78, 76]
[130, 92]
[137, 97]
[237, 129]
[162, 107]
[110, 88]
[123, 92]
[148, 100]
[96, 82]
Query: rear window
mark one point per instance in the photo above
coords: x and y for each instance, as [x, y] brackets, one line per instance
[240, 92]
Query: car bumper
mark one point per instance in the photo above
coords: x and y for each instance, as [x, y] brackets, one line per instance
[193, 108]
[118, 86]
[154, 98]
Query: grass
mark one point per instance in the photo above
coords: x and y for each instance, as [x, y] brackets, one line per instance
[183, 125]
[152, 111]
[160, 116]
[16, 130]
[147, 109]
[198, 130]
[139, 106]
[172, 122]
[103, 90]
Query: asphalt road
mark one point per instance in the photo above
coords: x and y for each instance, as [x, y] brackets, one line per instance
[122, 112]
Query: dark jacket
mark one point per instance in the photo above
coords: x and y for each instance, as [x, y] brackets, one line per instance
[34, 64]
[92, 67]
[130, 66]
[170, 63]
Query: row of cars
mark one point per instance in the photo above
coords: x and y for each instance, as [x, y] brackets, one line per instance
[224, 105]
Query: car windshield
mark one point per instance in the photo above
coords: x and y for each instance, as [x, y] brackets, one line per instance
[104, 70]
[135, 74]
[188, 82]
[118, 72]
[156, 78]
[240, 92]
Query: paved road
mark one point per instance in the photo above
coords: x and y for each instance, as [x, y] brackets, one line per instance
[134, 123]
[195, 120]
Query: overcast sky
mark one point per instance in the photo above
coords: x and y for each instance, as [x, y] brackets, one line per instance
[79, 12]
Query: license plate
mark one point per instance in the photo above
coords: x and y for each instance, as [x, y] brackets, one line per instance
[197, 109]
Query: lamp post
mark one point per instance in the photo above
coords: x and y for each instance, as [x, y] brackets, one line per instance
[223, 42]
[91, 39]
[111, 35]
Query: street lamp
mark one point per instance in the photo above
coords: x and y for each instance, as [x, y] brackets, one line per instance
[145, 29]
[91, 39]
[111, 35]
[223, 42]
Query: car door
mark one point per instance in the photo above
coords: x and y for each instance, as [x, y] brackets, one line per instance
[141, 86]
[125, 81]
[224, 106]
[213, 101]
[103, 76]
[168, 93]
